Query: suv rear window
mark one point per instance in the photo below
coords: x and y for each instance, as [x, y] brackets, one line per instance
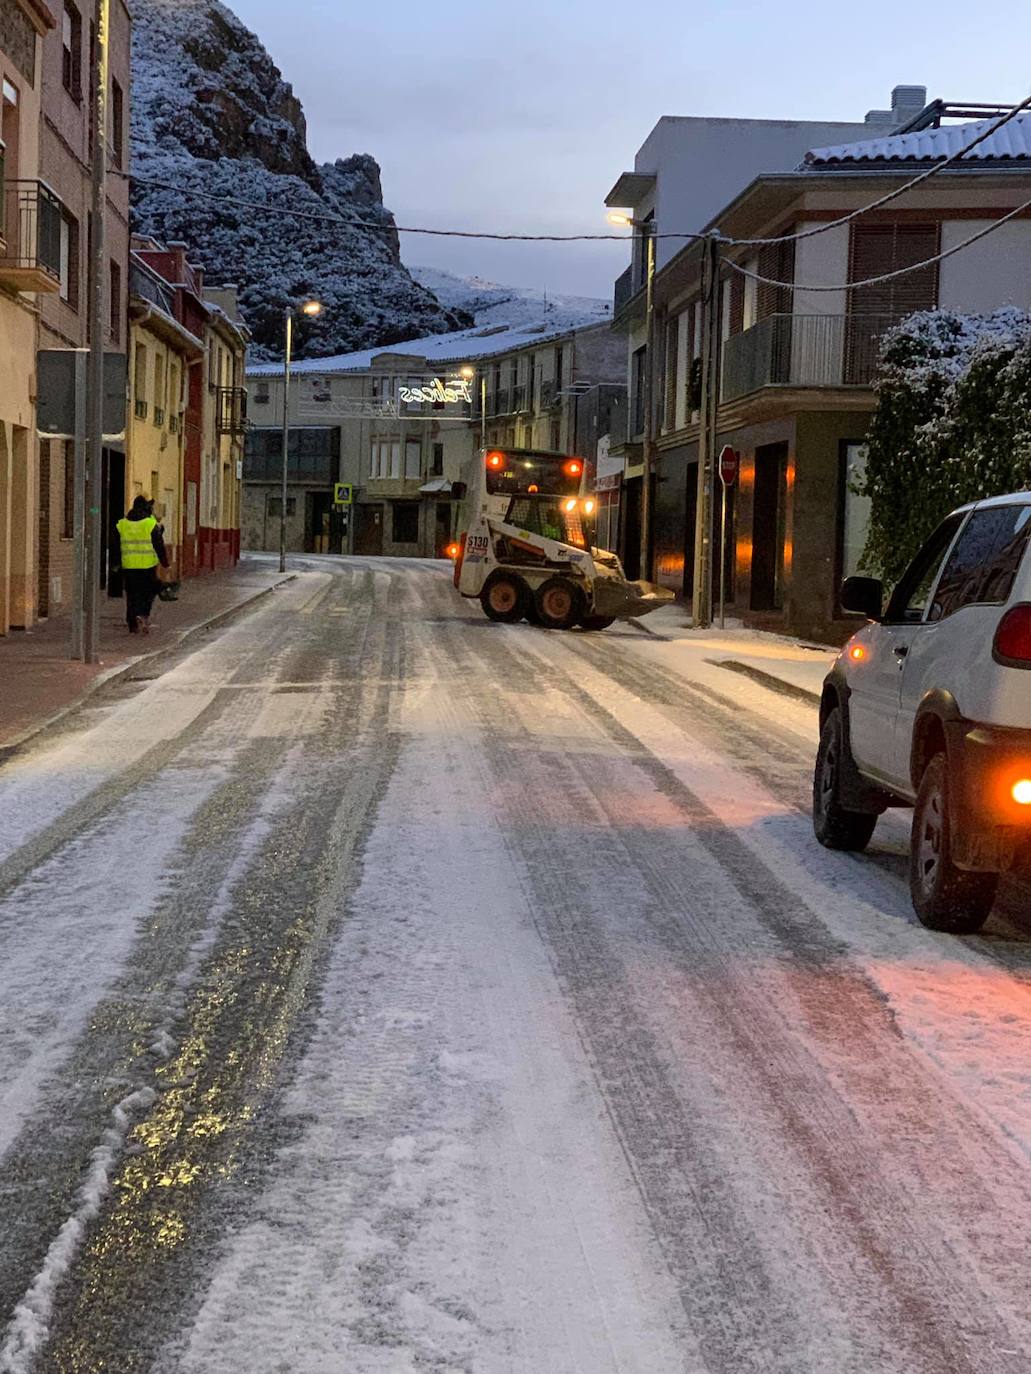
[982, 565]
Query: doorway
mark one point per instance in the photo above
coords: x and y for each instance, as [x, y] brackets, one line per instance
[368, 530]
[768, 527]
[113, 504]
[631, 519]
[442, 535]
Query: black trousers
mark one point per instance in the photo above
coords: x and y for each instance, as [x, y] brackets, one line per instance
[141, 587]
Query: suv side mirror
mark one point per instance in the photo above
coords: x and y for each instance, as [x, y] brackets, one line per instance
[863, 595]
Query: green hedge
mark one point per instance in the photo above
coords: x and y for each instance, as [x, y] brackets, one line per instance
[952, 424]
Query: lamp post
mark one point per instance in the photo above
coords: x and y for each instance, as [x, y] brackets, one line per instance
[646, 228]
[309, 308]
[468, 373]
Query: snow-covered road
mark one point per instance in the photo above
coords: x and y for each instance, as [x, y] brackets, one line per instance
[383, 990]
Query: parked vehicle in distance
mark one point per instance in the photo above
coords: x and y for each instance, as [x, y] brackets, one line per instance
[527, 548]
[929, 706]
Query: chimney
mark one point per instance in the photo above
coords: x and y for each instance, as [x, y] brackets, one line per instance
[906, 104]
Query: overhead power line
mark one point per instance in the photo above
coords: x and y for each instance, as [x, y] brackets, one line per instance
[894, 194]
[389, 228]
[884, 276]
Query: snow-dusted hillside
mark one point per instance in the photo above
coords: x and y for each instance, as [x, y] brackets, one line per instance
[489, 303]
[212, 113]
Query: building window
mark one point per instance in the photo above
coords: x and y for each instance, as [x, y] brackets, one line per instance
[413, 459]
[559, 362]
[275, 506]
[71, 51]
[69, 260]
[139, 384]
[261, 394]
[115, 302]
[437, 470]
[406, 522]
[639, 364]
[556, 436]
[159, 389]
[117, 123]
[855, 522]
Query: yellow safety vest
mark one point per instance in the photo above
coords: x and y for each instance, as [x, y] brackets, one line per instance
[137, 546]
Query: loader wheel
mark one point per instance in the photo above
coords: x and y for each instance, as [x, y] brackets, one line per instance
[559, 603]
[504, 598]
[597, 622]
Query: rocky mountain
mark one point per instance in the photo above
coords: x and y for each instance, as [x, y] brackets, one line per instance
[211, 113]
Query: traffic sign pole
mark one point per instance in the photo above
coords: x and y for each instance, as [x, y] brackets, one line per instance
[729, 464]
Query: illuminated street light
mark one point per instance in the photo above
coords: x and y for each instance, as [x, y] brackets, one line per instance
[311, 308]
[620, 219]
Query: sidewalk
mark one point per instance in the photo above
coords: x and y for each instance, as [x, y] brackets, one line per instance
[796, 666]
[39, 682]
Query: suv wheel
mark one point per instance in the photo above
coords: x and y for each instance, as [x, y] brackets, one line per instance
[944, 897]
[504, 598]
[835, 827]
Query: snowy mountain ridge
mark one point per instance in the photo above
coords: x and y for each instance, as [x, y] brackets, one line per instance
[490, 303]
[212, 114]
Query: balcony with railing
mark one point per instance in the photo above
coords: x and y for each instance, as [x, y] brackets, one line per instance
[501, 401]
[623, 291]
[803, 351]
[30, 236]
[232, 410]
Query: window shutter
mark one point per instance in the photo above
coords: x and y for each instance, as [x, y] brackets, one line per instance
[737, 303]
[879, 248]
[777, 262]
[672, 340]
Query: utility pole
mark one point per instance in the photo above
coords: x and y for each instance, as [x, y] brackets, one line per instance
[711, 321]
[648, 446]
[286, 434]
[90, 532]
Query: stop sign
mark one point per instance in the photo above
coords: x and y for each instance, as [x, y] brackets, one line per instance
[729, 464]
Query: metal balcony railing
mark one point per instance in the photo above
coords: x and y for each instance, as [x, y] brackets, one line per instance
[30, 236]
[519, 397]
[501, 404]
[803, 350]
[232, 410]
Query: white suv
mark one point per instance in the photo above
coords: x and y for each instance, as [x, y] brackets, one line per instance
[929, 706]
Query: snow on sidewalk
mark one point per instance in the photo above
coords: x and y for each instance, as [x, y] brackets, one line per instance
[799, 663]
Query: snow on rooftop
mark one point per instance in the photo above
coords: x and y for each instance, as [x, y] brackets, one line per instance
[464, 346]
[1012, 141]
[531, 320]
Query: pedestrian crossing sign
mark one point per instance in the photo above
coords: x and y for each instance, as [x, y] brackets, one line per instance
[343, 494]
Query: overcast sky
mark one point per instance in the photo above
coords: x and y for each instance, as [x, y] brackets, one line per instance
[518, 117]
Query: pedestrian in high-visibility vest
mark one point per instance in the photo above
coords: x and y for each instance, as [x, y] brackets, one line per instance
[142, 550]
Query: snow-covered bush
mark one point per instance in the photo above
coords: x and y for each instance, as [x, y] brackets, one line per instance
[952, 425]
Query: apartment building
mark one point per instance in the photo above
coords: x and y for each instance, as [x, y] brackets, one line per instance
[161, 353]
[686, 169]
[399, 426]
[65, 152]
[213, 414]
[798, 359]
[29, 272]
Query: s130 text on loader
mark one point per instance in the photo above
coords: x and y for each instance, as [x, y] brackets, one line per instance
[526, 546]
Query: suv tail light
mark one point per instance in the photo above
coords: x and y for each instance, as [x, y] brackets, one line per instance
[1012, 644]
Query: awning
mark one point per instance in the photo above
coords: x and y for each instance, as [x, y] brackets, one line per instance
[438, 487]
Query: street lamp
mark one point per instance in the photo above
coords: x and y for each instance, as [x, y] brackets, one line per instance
[469, 373]
[311, 309]
[646, 227]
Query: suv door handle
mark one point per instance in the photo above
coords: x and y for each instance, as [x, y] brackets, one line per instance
[900, 650]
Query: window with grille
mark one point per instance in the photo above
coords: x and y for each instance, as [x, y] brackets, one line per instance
[71, 51]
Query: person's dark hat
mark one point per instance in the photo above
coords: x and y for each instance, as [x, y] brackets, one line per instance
[141, 506]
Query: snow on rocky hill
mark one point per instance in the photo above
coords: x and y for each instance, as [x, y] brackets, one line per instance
[488, 303]
[212, 113]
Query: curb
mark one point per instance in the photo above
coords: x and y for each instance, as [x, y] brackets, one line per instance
[775, 684]
[105, 679]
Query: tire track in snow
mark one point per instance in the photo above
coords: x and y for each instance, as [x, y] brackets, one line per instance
[928, 1316]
